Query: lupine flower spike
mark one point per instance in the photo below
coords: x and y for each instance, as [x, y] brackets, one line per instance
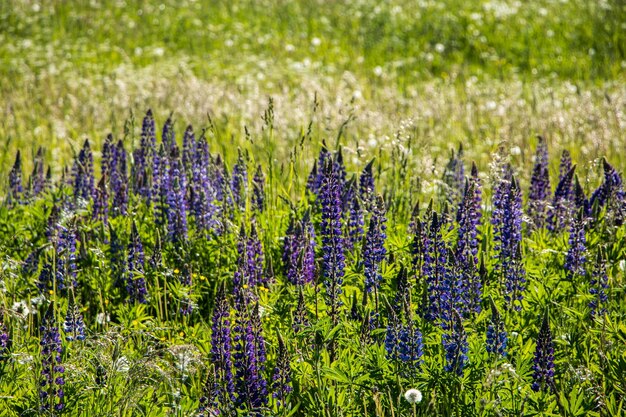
[496, 333]
[455, 345]
[539, 187]
[51, 394]
[543, 376]
[599, 285]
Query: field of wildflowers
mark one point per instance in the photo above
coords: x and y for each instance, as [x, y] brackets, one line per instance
[348, 208]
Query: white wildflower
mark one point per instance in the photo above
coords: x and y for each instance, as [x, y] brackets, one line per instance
[413, 395]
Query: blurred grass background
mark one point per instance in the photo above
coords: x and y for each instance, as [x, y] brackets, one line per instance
[436, 73]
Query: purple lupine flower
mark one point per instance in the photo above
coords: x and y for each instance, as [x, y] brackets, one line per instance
[117, 258]
[210, 399]
[31, 264]
[565, 164]
[575, 258]
[219, 178]
[416, 231]
[367, 188]
[560, 211]
[221, 349]
[202, 191]
[455, 344]
[454, 178]
[100, 210]
[65, 258]
[402, 298]
[107, 164]
[610, 194]
[340, 168]
[356, 218]
[258, 190]
[299, 251]
[38, 177]
[374, 247]
[135, 281]
[434, 269]
[468, 218]
[119, 181]
[51, 395]
[239, 182]
[16, 188]
[250, 385]
[189, 146]
[333, 261]
[403, 342]
[599, 286]
[543, 376]
[301, 316]
[177, 213]
[539, 187]
[496, 333]
[312, 184]
[74, 326]
[160, 187]
[281, 379]
[391, 336]
[5, 339]
[581, 203]
[251, 256]
[507, 222]
[82, 172]
[168, 138]
[45, 281]
[142, 157]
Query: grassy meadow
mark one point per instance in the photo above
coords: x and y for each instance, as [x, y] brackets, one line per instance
[372, 199]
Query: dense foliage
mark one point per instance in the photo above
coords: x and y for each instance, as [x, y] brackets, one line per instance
[158, 278]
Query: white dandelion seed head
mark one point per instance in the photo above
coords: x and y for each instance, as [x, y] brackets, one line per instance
[413, 395]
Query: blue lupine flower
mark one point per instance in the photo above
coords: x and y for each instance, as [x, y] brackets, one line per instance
[333, 261]
[258, 190]
[142, 157]
[119, 181]
[599, 285]
[221, 349]
[251, 386]
[100, 210]
[301, 315]
[434, 269]
[38, 179]
[5, 340]
[543, 375]
[356, 219]
[281, 379]
[135, 281]
[539, 186]
[454, 178]
[15, 180]
[82, 174]
[507, 222]
[239, 182]
[74, 326]
[575, 258]
[456, 346]
[299, 251]
[496, 333]
[560, 212]
[367, 188]
[468, 218]
[51, 393]
[610, 194]
[374, 248]
[202, 190]
[177, 212]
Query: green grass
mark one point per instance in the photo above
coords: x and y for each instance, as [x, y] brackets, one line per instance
[69, 71]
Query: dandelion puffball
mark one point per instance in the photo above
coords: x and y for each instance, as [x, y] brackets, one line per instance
[413, 396]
